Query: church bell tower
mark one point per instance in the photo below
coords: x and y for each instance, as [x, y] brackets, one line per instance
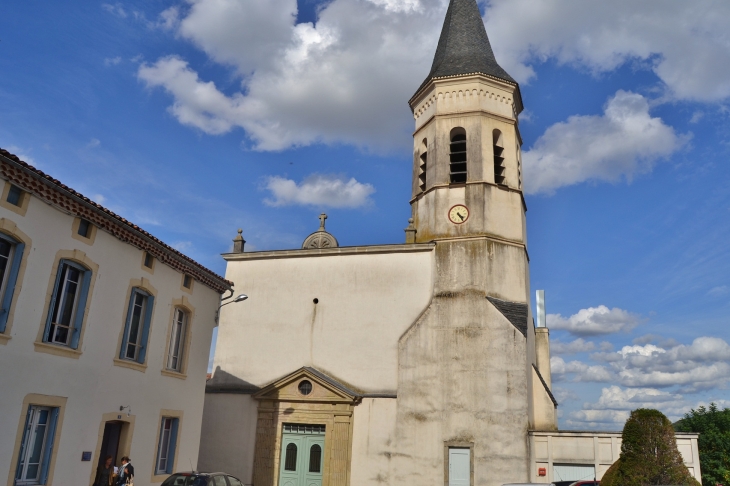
[467, 167]
[469, 385]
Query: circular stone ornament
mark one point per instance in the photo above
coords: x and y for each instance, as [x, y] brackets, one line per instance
[305, 387]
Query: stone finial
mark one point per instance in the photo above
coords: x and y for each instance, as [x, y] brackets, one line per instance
[410, 232]
[238, 242]
[320, 238]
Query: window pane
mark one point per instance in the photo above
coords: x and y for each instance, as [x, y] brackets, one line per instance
[164, 445]
[177, 340]
[290, 463]
[14, 195]
[219, 481]
[234, 482]
[5, 250]
[315, 458]
[134, 334]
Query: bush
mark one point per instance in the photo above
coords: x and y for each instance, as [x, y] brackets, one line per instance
[713, 425]
[649, 454]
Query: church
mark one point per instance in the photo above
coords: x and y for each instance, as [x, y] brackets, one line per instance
[404, 364]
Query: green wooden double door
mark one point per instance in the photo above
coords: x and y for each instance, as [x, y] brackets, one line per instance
[302, 455]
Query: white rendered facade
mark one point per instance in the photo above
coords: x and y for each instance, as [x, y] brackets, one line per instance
[84, 388]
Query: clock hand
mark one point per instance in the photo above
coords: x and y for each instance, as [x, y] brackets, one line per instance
[459, 215]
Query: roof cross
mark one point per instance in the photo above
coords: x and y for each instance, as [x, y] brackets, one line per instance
[322, 217]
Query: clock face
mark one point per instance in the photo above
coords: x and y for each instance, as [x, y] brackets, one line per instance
[458, 214]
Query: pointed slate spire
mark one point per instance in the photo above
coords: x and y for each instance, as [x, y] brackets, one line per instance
[464, 47]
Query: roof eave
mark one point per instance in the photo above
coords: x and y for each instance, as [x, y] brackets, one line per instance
[210, 278]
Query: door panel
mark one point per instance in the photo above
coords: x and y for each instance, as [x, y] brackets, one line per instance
[302, 459]
[291, 460]
[314, 461]
[459, 467]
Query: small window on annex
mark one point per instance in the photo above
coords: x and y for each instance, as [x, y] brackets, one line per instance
[36, 447]
[457, 156]
[137, 326]
[84, 228]
[15, 196]
[187, 281]
[177, 340]
[11, 253]
[149, 260]
[67, 306]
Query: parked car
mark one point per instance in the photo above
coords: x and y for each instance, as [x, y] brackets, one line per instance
[529, 484]
[202, 479]
[582, 482]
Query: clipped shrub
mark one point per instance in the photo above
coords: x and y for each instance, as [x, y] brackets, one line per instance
[649, 454]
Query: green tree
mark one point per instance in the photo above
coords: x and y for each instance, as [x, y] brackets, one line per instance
[649, 454]
[713, 425]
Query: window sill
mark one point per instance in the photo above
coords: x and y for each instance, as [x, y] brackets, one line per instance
[132, 365]
[174, 374]
[54, 349]
[4, 338]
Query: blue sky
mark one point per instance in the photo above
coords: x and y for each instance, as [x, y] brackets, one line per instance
[194, 118]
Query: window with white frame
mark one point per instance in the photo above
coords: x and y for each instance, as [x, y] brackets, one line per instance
[36, 447]
[167, 444]
[68, 303]
[137, 326]
[177, 340]
[11, 252]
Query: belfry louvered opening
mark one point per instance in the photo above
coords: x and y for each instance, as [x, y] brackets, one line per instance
[498, 146]
[422, 166]
[457, 156]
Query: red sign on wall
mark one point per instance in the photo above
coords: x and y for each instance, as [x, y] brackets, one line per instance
[542, 471]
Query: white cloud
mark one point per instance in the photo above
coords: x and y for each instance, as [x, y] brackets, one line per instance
[346, 79]
[22, 154]
[319, 190]
[576, 346]
[594, 321]
[169, 18]
[115, 9]
[112, 61]
[582, 372]
[696, 117]
[621, 143]
[93, 143]
[684, 43]
[702, 365]
[719, 291]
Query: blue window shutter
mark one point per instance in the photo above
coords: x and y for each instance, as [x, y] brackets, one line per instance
[81, 308]
[52, 304]
[173, 446]
[48, 449]
[123, 351]
[10, 290]
[146, 328]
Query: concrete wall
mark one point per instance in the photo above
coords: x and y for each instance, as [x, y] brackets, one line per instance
[91, 382]
[462, 370]
[229, 434]
[598, 449]
[366, 301]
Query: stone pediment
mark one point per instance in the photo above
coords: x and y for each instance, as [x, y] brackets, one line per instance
[321, 388]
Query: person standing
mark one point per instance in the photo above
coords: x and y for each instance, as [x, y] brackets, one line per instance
[126, 471]
[105, 473]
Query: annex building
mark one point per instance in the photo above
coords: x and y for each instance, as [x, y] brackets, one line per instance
[415, 364]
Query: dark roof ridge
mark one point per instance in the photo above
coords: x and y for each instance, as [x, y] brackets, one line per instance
[130, 233]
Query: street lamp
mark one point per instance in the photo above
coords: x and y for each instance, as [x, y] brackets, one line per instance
[240, 298]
